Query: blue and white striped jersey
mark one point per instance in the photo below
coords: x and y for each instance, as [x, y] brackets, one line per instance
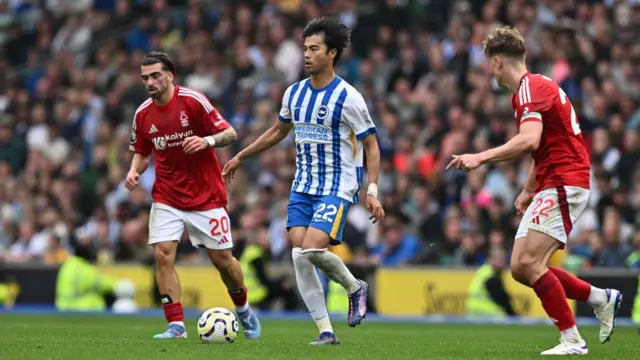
[328, 124]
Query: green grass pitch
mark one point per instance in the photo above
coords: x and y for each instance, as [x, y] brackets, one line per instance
[42, 337]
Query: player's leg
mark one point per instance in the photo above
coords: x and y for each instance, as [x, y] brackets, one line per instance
[574, 287]
[211, 229]
[547, 232]
[606, 302]
[232, 277]
[326, 228]
[299, 215]
[165, 230]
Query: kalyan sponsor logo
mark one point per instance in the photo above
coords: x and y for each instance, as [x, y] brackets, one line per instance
[171, 140]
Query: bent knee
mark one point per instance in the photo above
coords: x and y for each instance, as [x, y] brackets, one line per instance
[526, 267]
[221, 259]
[164, 254]
[313, 254]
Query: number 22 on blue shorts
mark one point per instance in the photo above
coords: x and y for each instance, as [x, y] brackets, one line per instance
[326, 213]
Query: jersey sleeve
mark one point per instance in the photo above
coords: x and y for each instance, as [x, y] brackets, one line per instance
[137, 142]
[532, 99]
[356, 114]
[207, 115]
[285, 111]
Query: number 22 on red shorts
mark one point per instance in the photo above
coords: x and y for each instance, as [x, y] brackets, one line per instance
[554, 211]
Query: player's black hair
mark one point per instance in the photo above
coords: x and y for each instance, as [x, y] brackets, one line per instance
[335, 34]
[157, 57]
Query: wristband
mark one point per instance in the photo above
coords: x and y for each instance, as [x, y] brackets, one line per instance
[372, 190]
[211, 142]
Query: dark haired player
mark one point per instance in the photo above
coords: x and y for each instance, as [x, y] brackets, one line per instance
[180, 127]
[331, 124]
[556, 192]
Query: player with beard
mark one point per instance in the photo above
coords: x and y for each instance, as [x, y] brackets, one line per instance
[181, 128]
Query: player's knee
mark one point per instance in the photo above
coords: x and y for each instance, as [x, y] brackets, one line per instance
[221, 259]
[164, 255]
[315, 239]
[524, 267]
[314, 255]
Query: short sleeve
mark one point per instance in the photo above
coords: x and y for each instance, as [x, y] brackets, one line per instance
[532, 99]
[137, 142]
[356, 114]
[285, 112]
[206, 114]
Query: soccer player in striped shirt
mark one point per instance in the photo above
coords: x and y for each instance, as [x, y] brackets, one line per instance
[332, 127]
[180, 128]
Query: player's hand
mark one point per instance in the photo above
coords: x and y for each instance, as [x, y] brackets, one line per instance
[375, 209]
[465, 162]
[193, 144]
[229, 169]
[133, 179]
[523, 201]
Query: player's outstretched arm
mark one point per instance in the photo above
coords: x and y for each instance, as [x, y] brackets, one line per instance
[271, 137]
[139, 165]
[372, 151]
[527, 140]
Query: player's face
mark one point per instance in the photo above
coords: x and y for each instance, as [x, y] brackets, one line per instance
[497, 69]
[316, 55]
[155, 79]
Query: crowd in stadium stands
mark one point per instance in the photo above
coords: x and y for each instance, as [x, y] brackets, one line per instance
[70, 85]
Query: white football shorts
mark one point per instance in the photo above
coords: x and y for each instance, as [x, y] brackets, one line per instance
[554, 211]
[210, 229]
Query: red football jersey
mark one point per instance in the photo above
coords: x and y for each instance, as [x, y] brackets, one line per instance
[561, 158]
[183, 181]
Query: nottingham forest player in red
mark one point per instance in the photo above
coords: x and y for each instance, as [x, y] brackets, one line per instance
[556, 192]
[181, 128]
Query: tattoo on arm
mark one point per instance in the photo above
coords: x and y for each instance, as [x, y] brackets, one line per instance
[225, 137]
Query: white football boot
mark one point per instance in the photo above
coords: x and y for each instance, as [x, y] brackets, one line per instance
[607, 314]
[568, 347]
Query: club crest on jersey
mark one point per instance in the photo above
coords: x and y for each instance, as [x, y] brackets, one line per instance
[322, 112]
[184, 119]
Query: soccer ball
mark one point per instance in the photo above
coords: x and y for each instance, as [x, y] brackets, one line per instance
[218, 325]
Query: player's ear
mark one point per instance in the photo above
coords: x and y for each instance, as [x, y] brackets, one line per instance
[332, 53]
[170, 76]
[498, 61]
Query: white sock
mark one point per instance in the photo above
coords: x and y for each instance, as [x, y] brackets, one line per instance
[243, 308]
[332, 266]
[177, 323]
[311, 290]
[571, 334]
[324, 325]
[597, 297]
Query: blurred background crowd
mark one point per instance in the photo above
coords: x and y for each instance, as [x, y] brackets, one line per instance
[70, 84]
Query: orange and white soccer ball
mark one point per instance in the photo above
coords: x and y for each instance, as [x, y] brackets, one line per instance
[218, 325]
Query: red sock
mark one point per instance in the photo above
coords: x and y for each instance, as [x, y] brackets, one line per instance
[173, 312]
[554, 301]
[574, 287]
[238, 296]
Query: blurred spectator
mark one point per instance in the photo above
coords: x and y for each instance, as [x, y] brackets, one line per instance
[397, 247]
